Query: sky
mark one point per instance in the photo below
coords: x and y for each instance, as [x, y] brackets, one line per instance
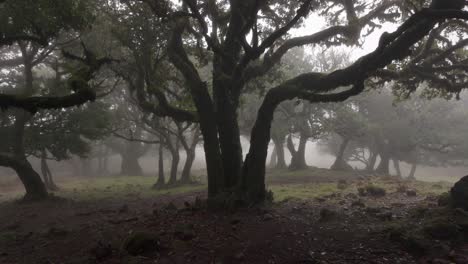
[315, 23]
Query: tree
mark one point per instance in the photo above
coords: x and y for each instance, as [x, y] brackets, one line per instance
[241, 47]
[39, 23]
[36, 37]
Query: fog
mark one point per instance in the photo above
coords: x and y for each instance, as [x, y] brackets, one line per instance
[233, 131]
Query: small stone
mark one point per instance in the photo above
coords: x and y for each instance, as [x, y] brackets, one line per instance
[327, 214]
[239, 256]
[411, 193]
[386, 216]
[267, 217]
[101, 251]
[358, 203]
[140, 243]
[171, 207]
[123, 209]
[235, 221]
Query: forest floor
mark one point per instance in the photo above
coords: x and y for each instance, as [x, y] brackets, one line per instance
[319, 216]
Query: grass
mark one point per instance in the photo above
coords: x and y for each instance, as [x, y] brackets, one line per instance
[117, 187]
[302, 191]
[305, 184]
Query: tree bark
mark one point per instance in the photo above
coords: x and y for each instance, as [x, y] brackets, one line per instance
[279, 147]
[186, 177]
[298, 157]
[384, 164]
[340, 163]
[174, 149]
[35, 188]
[161, 178]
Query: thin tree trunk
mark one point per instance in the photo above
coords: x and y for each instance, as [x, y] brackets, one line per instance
[186, 177]
[280, 160]
[273, 158]
[384, 164]
[372, 160]
[412, 173]
[253, 171]
[340, 163]
[174, 149]
[396, 165]
[161, 178]
[35, 188]
[298, 157]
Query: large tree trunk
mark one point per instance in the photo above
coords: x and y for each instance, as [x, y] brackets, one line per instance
[186, 177]
[279, 147]
[384, 164]
[130, 165]
[35, 188]
[340, 163]
[161, 178]
[253, 171]
[298, 156]
[396, 165]
[412, 173]
[229, 138]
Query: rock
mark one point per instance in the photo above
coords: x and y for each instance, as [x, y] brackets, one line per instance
[460, 212]
[351, 196]
[57, 232]
[101, 251]
[459, 193]
[386, 216]
[342, 184]
[440, 261]
[442, 230]
[358, 203]
[141, 243]
[373, 210]
[235, 221]
[239, 256]
[444, 200]
[320, 199]
[402, 189]
[13, 226]
[123, 209]
[267, 217]
[170, 207]
[184, 232]
[327, 215]
[411, 193]
[371, 190]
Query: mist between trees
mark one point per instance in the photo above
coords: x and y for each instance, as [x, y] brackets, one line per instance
[84, 81]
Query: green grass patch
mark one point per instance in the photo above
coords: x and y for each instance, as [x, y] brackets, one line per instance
[117, 188]
[302, 191]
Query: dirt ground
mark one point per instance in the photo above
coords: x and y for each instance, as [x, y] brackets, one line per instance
[317, 218]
